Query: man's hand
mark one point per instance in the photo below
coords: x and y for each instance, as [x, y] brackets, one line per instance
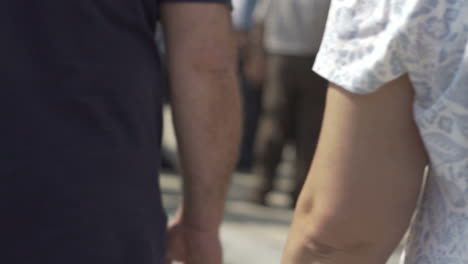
[189, 245]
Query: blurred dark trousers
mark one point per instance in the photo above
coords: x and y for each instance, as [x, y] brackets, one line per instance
[252, 101]
[293, 104]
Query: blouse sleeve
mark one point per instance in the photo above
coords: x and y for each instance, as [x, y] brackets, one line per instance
[361, 47]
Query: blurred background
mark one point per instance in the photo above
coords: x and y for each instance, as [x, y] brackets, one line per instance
[283, 102]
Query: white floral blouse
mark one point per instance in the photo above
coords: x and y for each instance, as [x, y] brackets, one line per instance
[370, 42]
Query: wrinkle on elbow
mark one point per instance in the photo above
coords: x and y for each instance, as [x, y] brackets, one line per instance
[215, 61]
[319, 250]
[214, 69]
[329, 232]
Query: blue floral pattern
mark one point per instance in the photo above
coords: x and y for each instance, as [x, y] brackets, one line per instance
[371, 42]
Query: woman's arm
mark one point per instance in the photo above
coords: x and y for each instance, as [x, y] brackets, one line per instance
[364, 182]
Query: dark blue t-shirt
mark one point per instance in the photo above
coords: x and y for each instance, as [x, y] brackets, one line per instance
[80, 113]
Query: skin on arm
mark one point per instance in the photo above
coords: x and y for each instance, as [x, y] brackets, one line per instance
[364, 183]
[207, 118]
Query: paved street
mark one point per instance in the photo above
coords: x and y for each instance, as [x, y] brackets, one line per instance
[251, 234]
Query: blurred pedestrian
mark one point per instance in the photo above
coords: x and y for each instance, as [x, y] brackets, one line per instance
[80, 105]
[289, 34]
[399, 101]
[251, 91]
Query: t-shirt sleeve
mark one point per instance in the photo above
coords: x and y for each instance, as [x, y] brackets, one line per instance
[361, 47]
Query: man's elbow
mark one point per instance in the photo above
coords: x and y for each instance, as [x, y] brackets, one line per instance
[213, 63]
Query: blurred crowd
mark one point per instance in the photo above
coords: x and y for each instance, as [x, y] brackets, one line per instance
[283, 99]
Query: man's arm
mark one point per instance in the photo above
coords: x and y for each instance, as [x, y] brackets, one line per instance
[364, 182]
[206, 105]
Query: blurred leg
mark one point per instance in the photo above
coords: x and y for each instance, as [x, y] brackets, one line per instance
[275, 122]
[252, 108]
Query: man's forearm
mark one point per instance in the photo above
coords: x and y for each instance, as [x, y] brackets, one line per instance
[207, 120]
[206, 104]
